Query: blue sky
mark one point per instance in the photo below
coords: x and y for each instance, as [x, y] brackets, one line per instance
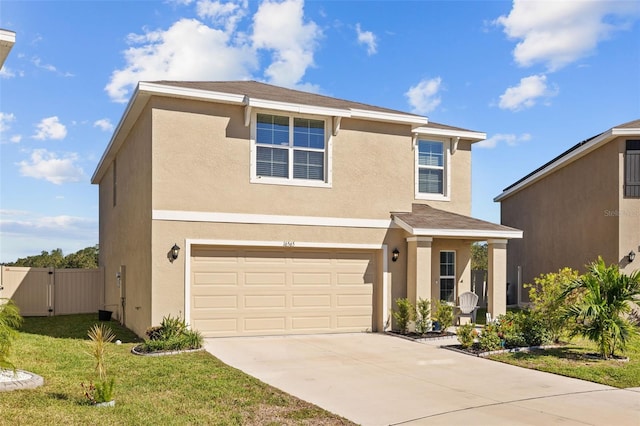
[537, 77]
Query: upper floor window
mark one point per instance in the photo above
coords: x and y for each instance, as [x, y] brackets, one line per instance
[431, 170]
[632, 169]
[290, 150]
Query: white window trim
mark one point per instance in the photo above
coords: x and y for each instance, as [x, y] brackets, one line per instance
[454, 277]
[446, 185]
[328, 126]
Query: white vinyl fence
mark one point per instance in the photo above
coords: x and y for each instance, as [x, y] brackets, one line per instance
[49, 291]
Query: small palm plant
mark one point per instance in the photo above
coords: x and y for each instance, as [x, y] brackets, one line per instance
[601, 312]
[102, 391]
[10, 321]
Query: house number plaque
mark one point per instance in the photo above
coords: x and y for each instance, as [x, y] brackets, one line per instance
[288, 244]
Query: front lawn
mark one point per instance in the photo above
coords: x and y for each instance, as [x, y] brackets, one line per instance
[570, 360]
[194, 388]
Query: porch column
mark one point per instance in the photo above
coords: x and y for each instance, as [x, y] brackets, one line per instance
[497, 277]
[418, 268]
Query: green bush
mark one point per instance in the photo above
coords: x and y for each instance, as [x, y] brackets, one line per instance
[466, 335]
[404, 314]
[10, 321]
[535, 331]
[509, 327]
[172, 334]
[423, 309]
[489, 339]
[548, 302]
[443, 314]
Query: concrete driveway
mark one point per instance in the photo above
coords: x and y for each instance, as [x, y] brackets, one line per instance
[375, 379]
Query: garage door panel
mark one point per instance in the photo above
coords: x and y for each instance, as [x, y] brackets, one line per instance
[265, 278]
[216, 278]
[310, 278]
[268, 324]
[274, 291]
[310, 323]
[215, 302]
[354, 300]
[311, 301]
[265, 301]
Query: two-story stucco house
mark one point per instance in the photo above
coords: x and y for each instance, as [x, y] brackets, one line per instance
[582, 204]
[293, 212]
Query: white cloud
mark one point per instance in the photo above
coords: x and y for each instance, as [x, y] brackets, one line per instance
[188, 50]
[5, 119]
[557, 33]
[104, 124]
[508, 138]
[27, 233]
[50, 128]
[6, 72]
[38, 63]
[281, 28]
[191, 49]
[424, 96]
[226, 14]
[526, 93]
[15, 138]
[48, 166]
[368, 39]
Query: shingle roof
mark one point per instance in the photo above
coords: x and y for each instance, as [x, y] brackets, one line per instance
[255, 89]
[635, 124]
[423, 216]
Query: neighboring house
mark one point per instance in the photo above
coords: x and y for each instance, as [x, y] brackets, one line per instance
[582, 204]
[294, 212]
[7, 40]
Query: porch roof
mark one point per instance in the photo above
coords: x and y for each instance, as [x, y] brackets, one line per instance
[425, 220]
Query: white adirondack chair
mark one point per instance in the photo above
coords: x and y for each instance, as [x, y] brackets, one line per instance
[468, 302]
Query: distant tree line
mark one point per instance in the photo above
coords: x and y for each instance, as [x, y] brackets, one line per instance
[87, 258]
[479, 256]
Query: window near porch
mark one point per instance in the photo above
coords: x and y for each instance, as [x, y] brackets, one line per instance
[448, 276]
[632, 169]
[290, 149]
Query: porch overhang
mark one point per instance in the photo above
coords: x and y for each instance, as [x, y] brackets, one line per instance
[426, 221]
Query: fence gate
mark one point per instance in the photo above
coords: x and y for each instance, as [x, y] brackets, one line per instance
[49, 291]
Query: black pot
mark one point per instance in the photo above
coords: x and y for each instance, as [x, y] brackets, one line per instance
[104, 315]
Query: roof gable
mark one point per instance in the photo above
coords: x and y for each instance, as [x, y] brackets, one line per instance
[631, 128]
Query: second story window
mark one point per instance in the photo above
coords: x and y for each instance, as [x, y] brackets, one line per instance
[632, 169]
[290, 149]
[431, 170]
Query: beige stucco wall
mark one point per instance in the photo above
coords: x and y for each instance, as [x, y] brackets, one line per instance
[202, 163]
[125, 229]
[563, 218]
[628, 217]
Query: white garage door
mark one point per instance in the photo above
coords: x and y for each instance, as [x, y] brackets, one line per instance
[249, 292]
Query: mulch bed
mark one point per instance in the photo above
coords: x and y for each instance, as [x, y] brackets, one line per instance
[430, 335]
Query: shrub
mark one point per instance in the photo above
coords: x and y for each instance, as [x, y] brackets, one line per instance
[403, 315]
[534, 330]
[466, 335]
[10, 321]
[172, 334]
[443, 314]
[102, 391]
[509, 326]
[489, 339]
[545, 294]
[423, 309]
[601, 312]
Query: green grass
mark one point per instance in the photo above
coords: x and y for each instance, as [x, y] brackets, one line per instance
[194, 388]
[570, 360]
